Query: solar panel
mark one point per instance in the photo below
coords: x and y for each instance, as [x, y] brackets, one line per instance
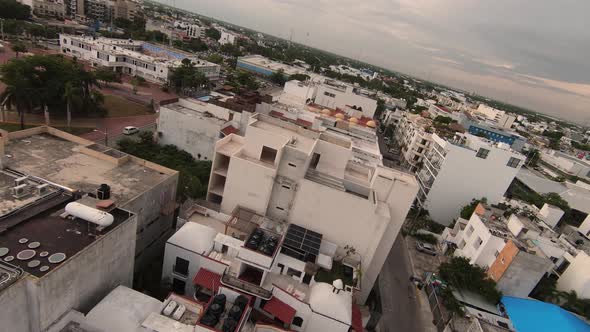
[303, 240]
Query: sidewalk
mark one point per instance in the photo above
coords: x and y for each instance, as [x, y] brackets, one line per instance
[425, 312]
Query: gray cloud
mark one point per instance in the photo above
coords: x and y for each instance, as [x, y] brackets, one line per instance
[529, 52]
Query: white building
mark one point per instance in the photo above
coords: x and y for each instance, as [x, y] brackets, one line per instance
[504, 249]
[490, 113]
[464, 168]
[414, 138]
[152, 62]
[227, 38]
[575, 277]
[566, 163]
[195, 31]
[195, 126]
[550, 214]
[335, 94]
[319, 173]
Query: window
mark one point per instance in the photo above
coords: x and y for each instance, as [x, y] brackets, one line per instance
[297, 321]
[292, 165]
[268, 155]
[181, 266]
[462, 244]
[315, 159]
[496, 253]
[293, 273]
[482, 153]
[286, 187]
[477, 243]
[178, 286]
[469, 231]
[504, 325]
[331, 95]
[280, 208]
[513, 162]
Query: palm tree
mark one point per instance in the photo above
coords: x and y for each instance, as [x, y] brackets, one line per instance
[20, 99]
[71, 91]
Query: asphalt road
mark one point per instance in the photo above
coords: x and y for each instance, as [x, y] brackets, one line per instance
[398, 296]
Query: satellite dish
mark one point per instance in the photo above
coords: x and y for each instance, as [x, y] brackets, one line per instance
[34, 245]
[26, 254]
[4, 251]
[57, 258]
[34, 263]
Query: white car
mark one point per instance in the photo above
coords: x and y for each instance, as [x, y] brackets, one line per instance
[130, 130]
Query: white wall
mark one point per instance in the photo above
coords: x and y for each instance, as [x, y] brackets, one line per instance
[576, 276]
[484, 255]
[463, 177]
[194, 130]
[514, 225]
[551, 215]
[342, 99]
[248, 185]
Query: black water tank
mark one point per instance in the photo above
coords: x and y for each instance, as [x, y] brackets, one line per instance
[235, 312]
[215, 309]
[229, 325]
[241, 301]
[219, 299]
[103, 192]
[209, 320]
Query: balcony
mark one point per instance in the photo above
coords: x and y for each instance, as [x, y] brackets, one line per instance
[246, 287]
[325, 179]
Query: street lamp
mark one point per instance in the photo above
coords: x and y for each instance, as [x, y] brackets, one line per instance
[106, 135]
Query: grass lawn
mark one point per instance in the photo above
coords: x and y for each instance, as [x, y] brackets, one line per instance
[120, 107]
[73, 130]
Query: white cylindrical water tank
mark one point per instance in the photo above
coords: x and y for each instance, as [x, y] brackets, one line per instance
[90, 214]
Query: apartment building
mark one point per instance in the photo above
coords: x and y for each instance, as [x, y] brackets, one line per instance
[335, 94]
[49, 8]
[228, 37]
[78, 165]
[150, 61]
[195, 31]
[315, 171]
[461, 169]
[195, 126]
[414, 137]
[125, 9]
[567, 163]
[490, 113]
[517, 252]
[69, 235]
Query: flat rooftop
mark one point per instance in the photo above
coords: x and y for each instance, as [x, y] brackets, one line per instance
[32, 243]
[289, 131]
[68, 164]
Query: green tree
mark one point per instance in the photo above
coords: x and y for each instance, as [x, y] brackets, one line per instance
[299, 77]
[18, 47]
[186, 79]
[107, 75]
[532, 157]
[215, 58]
[278, 77]
[213, 33]
[11, 9]
[459, 274]
[468, 209]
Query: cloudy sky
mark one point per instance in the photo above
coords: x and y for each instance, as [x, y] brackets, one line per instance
[533, 53]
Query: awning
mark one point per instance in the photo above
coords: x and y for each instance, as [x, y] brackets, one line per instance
[207, 279]
[280, 310]
[357, 319]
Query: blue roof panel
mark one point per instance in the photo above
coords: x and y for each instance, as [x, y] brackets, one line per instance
[529, 315]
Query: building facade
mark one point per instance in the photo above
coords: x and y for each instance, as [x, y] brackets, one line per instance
[152, 62]
[465, 168]
[49, 8]
[413, 136]
[195, 126]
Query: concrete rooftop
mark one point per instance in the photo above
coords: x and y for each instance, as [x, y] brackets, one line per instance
[68, 164]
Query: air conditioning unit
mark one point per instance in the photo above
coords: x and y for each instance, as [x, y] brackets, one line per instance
[19, 181]
[20, 191]
[42, 189]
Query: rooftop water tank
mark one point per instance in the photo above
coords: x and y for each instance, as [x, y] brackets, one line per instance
[89, 214]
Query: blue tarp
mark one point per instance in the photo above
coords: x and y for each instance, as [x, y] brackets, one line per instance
[536, 316]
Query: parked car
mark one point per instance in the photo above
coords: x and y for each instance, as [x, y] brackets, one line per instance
[130, 130]
[426, 248]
